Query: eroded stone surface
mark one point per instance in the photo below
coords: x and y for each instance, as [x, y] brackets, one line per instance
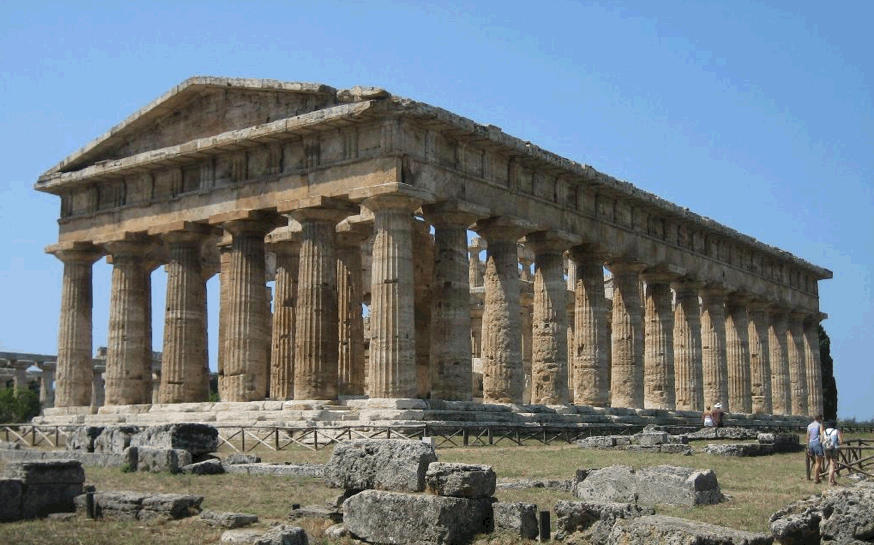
[518, 518]
[648, 486]
[838, 515]
[592, 522]
[662, 530]
[460, 480]
[382, 464]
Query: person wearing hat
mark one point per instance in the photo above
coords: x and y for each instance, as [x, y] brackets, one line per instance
[717, 415]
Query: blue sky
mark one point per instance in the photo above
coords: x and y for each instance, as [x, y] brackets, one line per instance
[756, 114]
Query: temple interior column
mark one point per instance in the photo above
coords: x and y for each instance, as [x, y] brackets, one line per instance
[98, 386]
[350, 236]
[659, 375]
[760, 358]
[20, 378]
[284, 242]
[128, 376]
[627, 324]
[814, 364]
[738, 354]
[47, 383]
[591, 332]
[797, 363]
[713, 355]
[688, 373]
[503, 379]
[74, 371]
[780, 390]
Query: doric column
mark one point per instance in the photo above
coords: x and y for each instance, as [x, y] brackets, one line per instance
[797, 363]
[760, 357]
[713, 354]
[591, 333]
[627, 366]
[549, 366]
[74, 326]
[477, 269]
[814, 364]
[46, 384]
[244, 372]
[423, 272]
[350, 236]
[689, 381]
[738, 353]
[780, 390]
[98, 386]
[316, 336]
[284, 242]
[526, 319]
[20, 377]
[658, 357]
[184, 361]
[392, 293]
[128, 374]
[224, 250]
[451, 351]
[503, 380]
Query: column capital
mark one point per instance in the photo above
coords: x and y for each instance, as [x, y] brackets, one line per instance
[353, 231]
[739, 299]
[503, 229]
[663, 273]
[75, 252]
[588, 251]
[284, 239]
[254, 222]
[552, 241]
[392, 195]
[713, 291]
[687, 284]
[184, 231]
[47, 365]
[318, 208]
[814, 318]
[618, 265]
[126, 244]
[454, 213]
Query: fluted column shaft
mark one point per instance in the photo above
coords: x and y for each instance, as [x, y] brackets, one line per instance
[738, 356]
[760, 359]
[184, 360]
[713, 352]
[392, 298]
[814, 365]
[244, 310]
[659, 380]
[591, 333]
[423, 273]
[626, 379]
[46, 383]
[780, 390]
[75, 329]
[350, 295]
[689, 382]
[549, 367]
[797, 363]
[128, 369]
[284, 303]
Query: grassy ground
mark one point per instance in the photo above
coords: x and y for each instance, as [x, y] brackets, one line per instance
[756, 487]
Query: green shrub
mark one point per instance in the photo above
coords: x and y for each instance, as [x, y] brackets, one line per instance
[18, 406]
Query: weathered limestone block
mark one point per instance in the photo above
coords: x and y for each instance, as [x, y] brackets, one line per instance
[611, 484]
[653, 438]
[283, 535]
[653, 485]
[206, 467]
[228, 520]
[45, 486]
[460, 480]
[158, 459]
[518, 518]
[382, 464]
[10, 500]
[246, 537]
[597, 441]
[316, 512]
[115, 438]
[46, 472]
[838, 515]
[126, 505]
[591, 522]
[239, 458]
[195, 438]
[740, 449]
[392, 517]
[83, 438]
[662, 530]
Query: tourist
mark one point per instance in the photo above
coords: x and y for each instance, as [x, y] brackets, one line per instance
[832, 439]
[708, 418]
[718, 415]
[814, 445]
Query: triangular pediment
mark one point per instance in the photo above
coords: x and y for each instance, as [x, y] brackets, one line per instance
[201, 107]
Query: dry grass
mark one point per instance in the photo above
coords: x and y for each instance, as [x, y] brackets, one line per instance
[757, 487]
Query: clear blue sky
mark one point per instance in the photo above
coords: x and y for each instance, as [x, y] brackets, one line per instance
[756, 114]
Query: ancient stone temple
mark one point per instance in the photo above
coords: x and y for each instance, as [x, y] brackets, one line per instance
[356, 203]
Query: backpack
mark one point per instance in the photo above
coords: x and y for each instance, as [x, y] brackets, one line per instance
[831, 439]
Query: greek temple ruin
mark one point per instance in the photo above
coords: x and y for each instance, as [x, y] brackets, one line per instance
[357, 206]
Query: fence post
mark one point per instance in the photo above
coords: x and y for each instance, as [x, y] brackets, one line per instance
[544, 526]
[243, 438]
[465, 436]
[316, 438]
[489, 429]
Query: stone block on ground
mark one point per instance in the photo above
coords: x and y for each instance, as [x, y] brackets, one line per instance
[41, 500]
[207, 467]
[10, 500]
[614, 484]
[283, 535]
[317, 512]
[665, 484]
[597, 441]
[736, 433]
[46, 472]
[47, 487]
[162, 460]
[518, 518]
[392, 517]
[460, 480]
[240, 537]
[838, 515]
[592, 522]
[652, 438]
[197, 439]
[662, 530]
[115, 439]
[127, 505]
[239, 458]
[173, 506]
[83, 437]
[384, 464]
[740, 450]
[228, 520]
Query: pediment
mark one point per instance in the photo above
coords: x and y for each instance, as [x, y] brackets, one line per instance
[201, 107]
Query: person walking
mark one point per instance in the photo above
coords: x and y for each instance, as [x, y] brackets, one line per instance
[718, 415]
[814, 445]
[708, 418]
[832, 439]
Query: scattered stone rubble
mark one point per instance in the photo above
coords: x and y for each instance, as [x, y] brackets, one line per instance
[837, 515]
[37, 489]
[768, 443]
[228, 520]
[126, 505]
[592, 522]
[649, 440]
[672, 485]
[662, 530]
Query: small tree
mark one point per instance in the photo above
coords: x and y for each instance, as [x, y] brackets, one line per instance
[829, 386]
[18, 407]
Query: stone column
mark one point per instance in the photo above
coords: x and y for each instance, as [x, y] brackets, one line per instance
[689, 381]
[627, 365]
[738, 354]
[75, 326]
[128, 374]
[658, 358]
[591, 333]
[503, 380]
[284, 242]
[47, 383]
[184, 358]
[451, 350]
[224, 249]
[20, 378]
[780, 391]
[316, 336]
[350, 236]
[797, 363]
[244, 308]
[392, 299]
[98, 386]
[760, 358]
[549, 366]
[423, 272]
[526, 321]
[476, 272]
[814, 364]
[713, 354]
